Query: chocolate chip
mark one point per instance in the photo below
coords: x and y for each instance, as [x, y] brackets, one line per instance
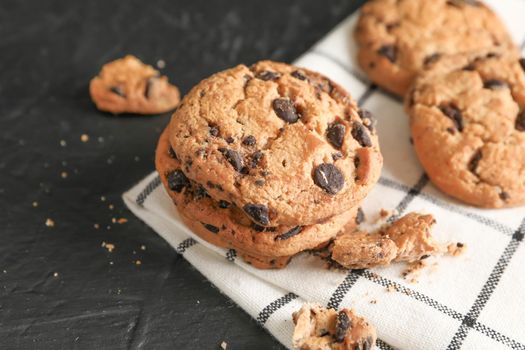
[495, 84]
[357, 161]
[177, 180]
[391, 26]
[360, 217]
[260, 182]
[342, 325]
[117, 90]
[267, 75]
[329, 178]
[360, 134]
[522, 63]
[200, 192]
[224, 204]
[459, 245]
[149, 85]
[389, 51]
[504, 195]
[285, 110]
[245, 170]
[520, 121]
[368, 343]
[229, 139]
[459, 3]
[289, 234]
[233, 157]
[367, 118]
[256, 158]
[214, 130]
[260, 228]
[264, 172]
[474, 161]
[470, 67]
[211, 228]
[337, 155]
[431, 59]
[172, 153]
[453, 112]
[336, 134]
[298, 75]
[257, 212]
[249, 140]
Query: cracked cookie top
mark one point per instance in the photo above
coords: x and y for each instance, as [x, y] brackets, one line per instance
[285, 144]
[398, 38]
[127, 85]
[467, 116]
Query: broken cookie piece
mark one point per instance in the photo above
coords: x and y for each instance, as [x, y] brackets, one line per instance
[407, 239]
[317, 328]
[127, 85]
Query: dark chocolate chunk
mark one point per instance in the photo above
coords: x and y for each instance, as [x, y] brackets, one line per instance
[459, 3]
[267, 75]
[214, 130]
[172, 153]
[257, 212]
[474, 161]
[249, 140]
[285, 110]
[389, 51]
[211, 228]
[360, 217]
[357, 161]
[368, 343]
[149, 86]
[117, 90]
[494, 84]
[520, 121]
[522, 63]
[298, 75]
[360, 134]
[393, 25]
[229, 139]
[453, 112]
[260, 182]
[459, 245]
[233, 157]
[367, 118]
[329, 178]
[200, 192]
[337, 155]
[260, 228]
[431, 59]
[177, 180]
[256, 158]
[289, 234]
[336, 134]
[342, 325]
[224, 204]
[504, 196]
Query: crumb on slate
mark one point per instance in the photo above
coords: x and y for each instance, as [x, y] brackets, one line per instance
[143, 247]
[224, 345]
[63, 143]
[96, 226]
[109, 246]
[63, 174]
[84, 137]
[111, 207]
[55, 274]
[138, 262]
[102, 198]
[35, 204]
[161, 64]
[50, 222]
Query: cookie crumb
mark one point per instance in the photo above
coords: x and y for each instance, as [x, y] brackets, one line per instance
[102, 198]
[122, 221]
[35, 204]
[55, 274]
[84, 137]
[50, 223]
[138, 262]
[161, 64]
[63, 143]
[413, 271]
[109, 246]
[111, 207]
[456, 249]
[96, 226]
[143, 247]
[63, 175]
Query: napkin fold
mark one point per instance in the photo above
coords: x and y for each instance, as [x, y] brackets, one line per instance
[475, 301]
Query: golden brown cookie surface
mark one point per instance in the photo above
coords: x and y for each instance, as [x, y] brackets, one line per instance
[286, 145]
[127, 85]
[398, 38]
[467, 117]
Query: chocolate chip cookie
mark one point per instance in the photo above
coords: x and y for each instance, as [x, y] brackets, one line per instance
[224, 224]
[398, 38]
[284, 144]
[127, 85]
[467, 118]
[317, 328]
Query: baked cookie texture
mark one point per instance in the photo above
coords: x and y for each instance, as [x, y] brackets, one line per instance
[223, 224]
[397, 39]
[467, 119]
[127, 85]
[317, 328]
[407, 239]
[284, 144]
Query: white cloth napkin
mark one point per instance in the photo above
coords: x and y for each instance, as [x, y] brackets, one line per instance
[475, 301]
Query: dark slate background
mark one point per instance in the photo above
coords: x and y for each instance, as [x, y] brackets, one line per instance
[59, 289]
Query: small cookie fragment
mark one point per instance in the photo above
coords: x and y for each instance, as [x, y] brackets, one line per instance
[317, 328]
[127, 85]
[407, 239]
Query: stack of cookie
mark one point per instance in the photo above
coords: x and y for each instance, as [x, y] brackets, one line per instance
[464, 88]
[270, 160]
